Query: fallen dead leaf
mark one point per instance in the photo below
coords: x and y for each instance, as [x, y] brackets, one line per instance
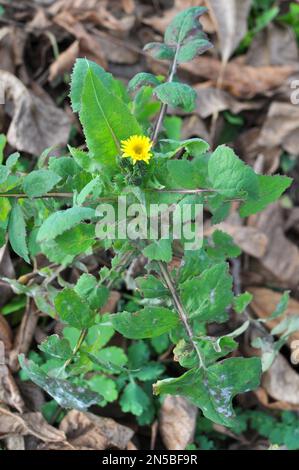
[274, 45]
[230, 19]
[24, 335]
[6, 270]
[284, 269]
[177, 422]
[5, 333]
[240, 80]
[65, 61]
[268, 402]
[281, 128]
[112, 302]
[251, 240]
[28, 424]
[36, 124]
[264, 303]
[88, 431]
[281, 382]
[9, 392]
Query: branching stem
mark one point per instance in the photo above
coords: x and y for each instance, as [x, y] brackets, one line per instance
[180, 309]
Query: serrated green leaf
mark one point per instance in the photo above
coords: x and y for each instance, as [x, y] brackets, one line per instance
[112, 355]
[4, 208]
[177, 95]
[213, 390]
[230, 176]
[40, 182]
[73, 310]
[105, 386]
[148, 372]
[193, 48]
[134, 400]
[17, 232]
[270, 188]
[147, 323]
[81, 67]
[184, 25]
[106, 120]
[151, 287]
[64, 392]
[143, 79]
[160, 250]
[61, 221]
[242, 301]
[56, 347]
[87, 288]
[207, 296]
[87, 190]
[160, 51]
[4, 172]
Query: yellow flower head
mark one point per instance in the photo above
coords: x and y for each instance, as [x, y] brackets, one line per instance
[137, 147]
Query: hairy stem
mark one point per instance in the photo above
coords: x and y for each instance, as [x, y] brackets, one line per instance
[180, 309]
[163, 109]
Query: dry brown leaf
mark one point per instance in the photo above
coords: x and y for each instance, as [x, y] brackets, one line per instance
[281, 127]
[15, 443]
[88, 431]
[242, 81]
[231, 23]
[28, 424]
[177, 422]
[194, 126]
[65, 61]
[5, 333]
[24, 335]
[211, 100]
[281, 382]
[36, 124]
[9, 392]
[268, 402]
[112, 302]
[274, 45]
[251, 240]
[63, 445]
[6, 270]
[264, 304]
[284, 268]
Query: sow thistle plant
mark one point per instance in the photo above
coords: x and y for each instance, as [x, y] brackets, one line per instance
[55, 210]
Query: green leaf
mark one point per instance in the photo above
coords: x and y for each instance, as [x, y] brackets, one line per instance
[84, 160]
[270, 188]
[87, 190]
[151, 287]
[211, 349]
[143, 79]
[160, 51]
[69, 244]
[242, 301]
[3, 141]
[150, 371]
[281, 306]
[213, 294]
[81, 67]
[40, 182]
[230, 176]
[87, 288]
[56, 347]
[212, 390]
[106, 120]
[61, 221]
[65, 167]
[134, 400]
[64, 392]
[177, 95]
[112, 355]
[184, 25]
[4, 208]
[4, 172]
[193, 48]
[73, 310]
[160, 250]
[147, 323]
[101, 333]
[17, 232]
[223, 246]
[104, 386]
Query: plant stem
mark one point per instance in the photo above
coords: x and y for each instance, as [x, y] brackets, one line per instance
[180, 309]
[81, 338]
[163, 109]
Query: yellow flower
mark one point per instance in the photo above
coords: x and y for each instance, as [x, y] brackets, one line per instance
[137, 147]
